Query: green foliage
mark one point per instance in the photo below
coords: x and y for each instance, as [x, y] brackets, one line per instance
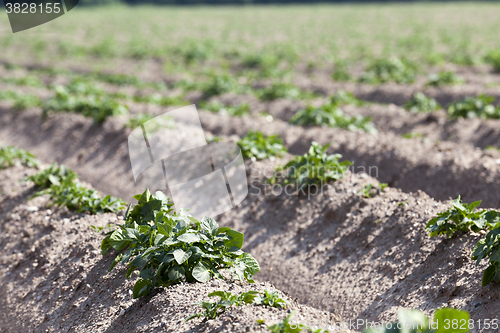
[29, 81]
[92, 106]
[389, 70]
[138, 119]
[341, 72]
[412, 135]
[314, 167]
[462, 217]
[256, 145]
[446, 320]
[489, 248]
[266, 63]
[475, 107]
[158, 99]
[342, 97]
[371, 190]
[493, 58]
[169, 248]
[64, 189]
[21, 101]
[270, 298]
[444, 78]
[330, 115]
[227, 299]
[234, 111]
[218, 84]
[10, 153]
[285, 326]
[279, 90]
[196, 52]
[421, 103]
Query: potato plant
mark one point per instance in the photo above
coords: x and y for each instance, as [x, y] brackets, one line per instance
[444, 78]
[167, 248]
[259, 146]
[21, 101]
[235, 111]
[389, 70]
[228, 299]
[330, 115]
[489, 248]
[475, 107]
[462, 217]
[279, 90]
[421, 103]
[8, 155]
[493, 58]
[64, 189]
[314, 167]
[93, 106]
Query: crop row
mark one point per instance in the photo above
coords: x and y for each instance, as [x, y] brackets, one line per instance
[168, 248]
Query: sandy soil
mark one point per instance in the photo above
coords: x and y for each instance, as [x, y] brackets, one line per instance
[54, 278]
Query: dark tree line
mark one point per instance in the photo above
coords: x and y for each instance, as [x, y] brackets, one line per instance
[246, 2]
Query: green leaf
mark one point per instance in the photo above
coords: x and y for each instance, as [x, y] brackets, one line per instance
[442, 315]
[175, 273]
[105, 246]
[201, 272]
[495, 256]
[473, 205]
[118, 240]
[488, 275]
[150, 208]
[189, 238]
[209, 224]
[140, 261]
[252, 266]
[146, 274]
[236, 239]
[116, 261]
[412, 318]
[181, 256]
[141, 288]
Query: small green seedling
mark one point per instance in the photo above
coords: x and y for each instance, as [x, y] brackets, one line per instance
[389, 70]
[138, 119]
[259, 146]
[314, 167]
[412, 135]
[371, 190]
[93, 106]
[285, 326]
[421, 103]
[280, 90]
[8, 155]
[444, 78]
[330, 115]
[475, 107]
[342, 97]
[271, 298]
[462, 217]
[235, 111]
[64, 189]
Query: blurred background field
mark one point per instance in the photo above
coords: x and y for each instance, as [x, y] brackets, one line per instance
[316, 35]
